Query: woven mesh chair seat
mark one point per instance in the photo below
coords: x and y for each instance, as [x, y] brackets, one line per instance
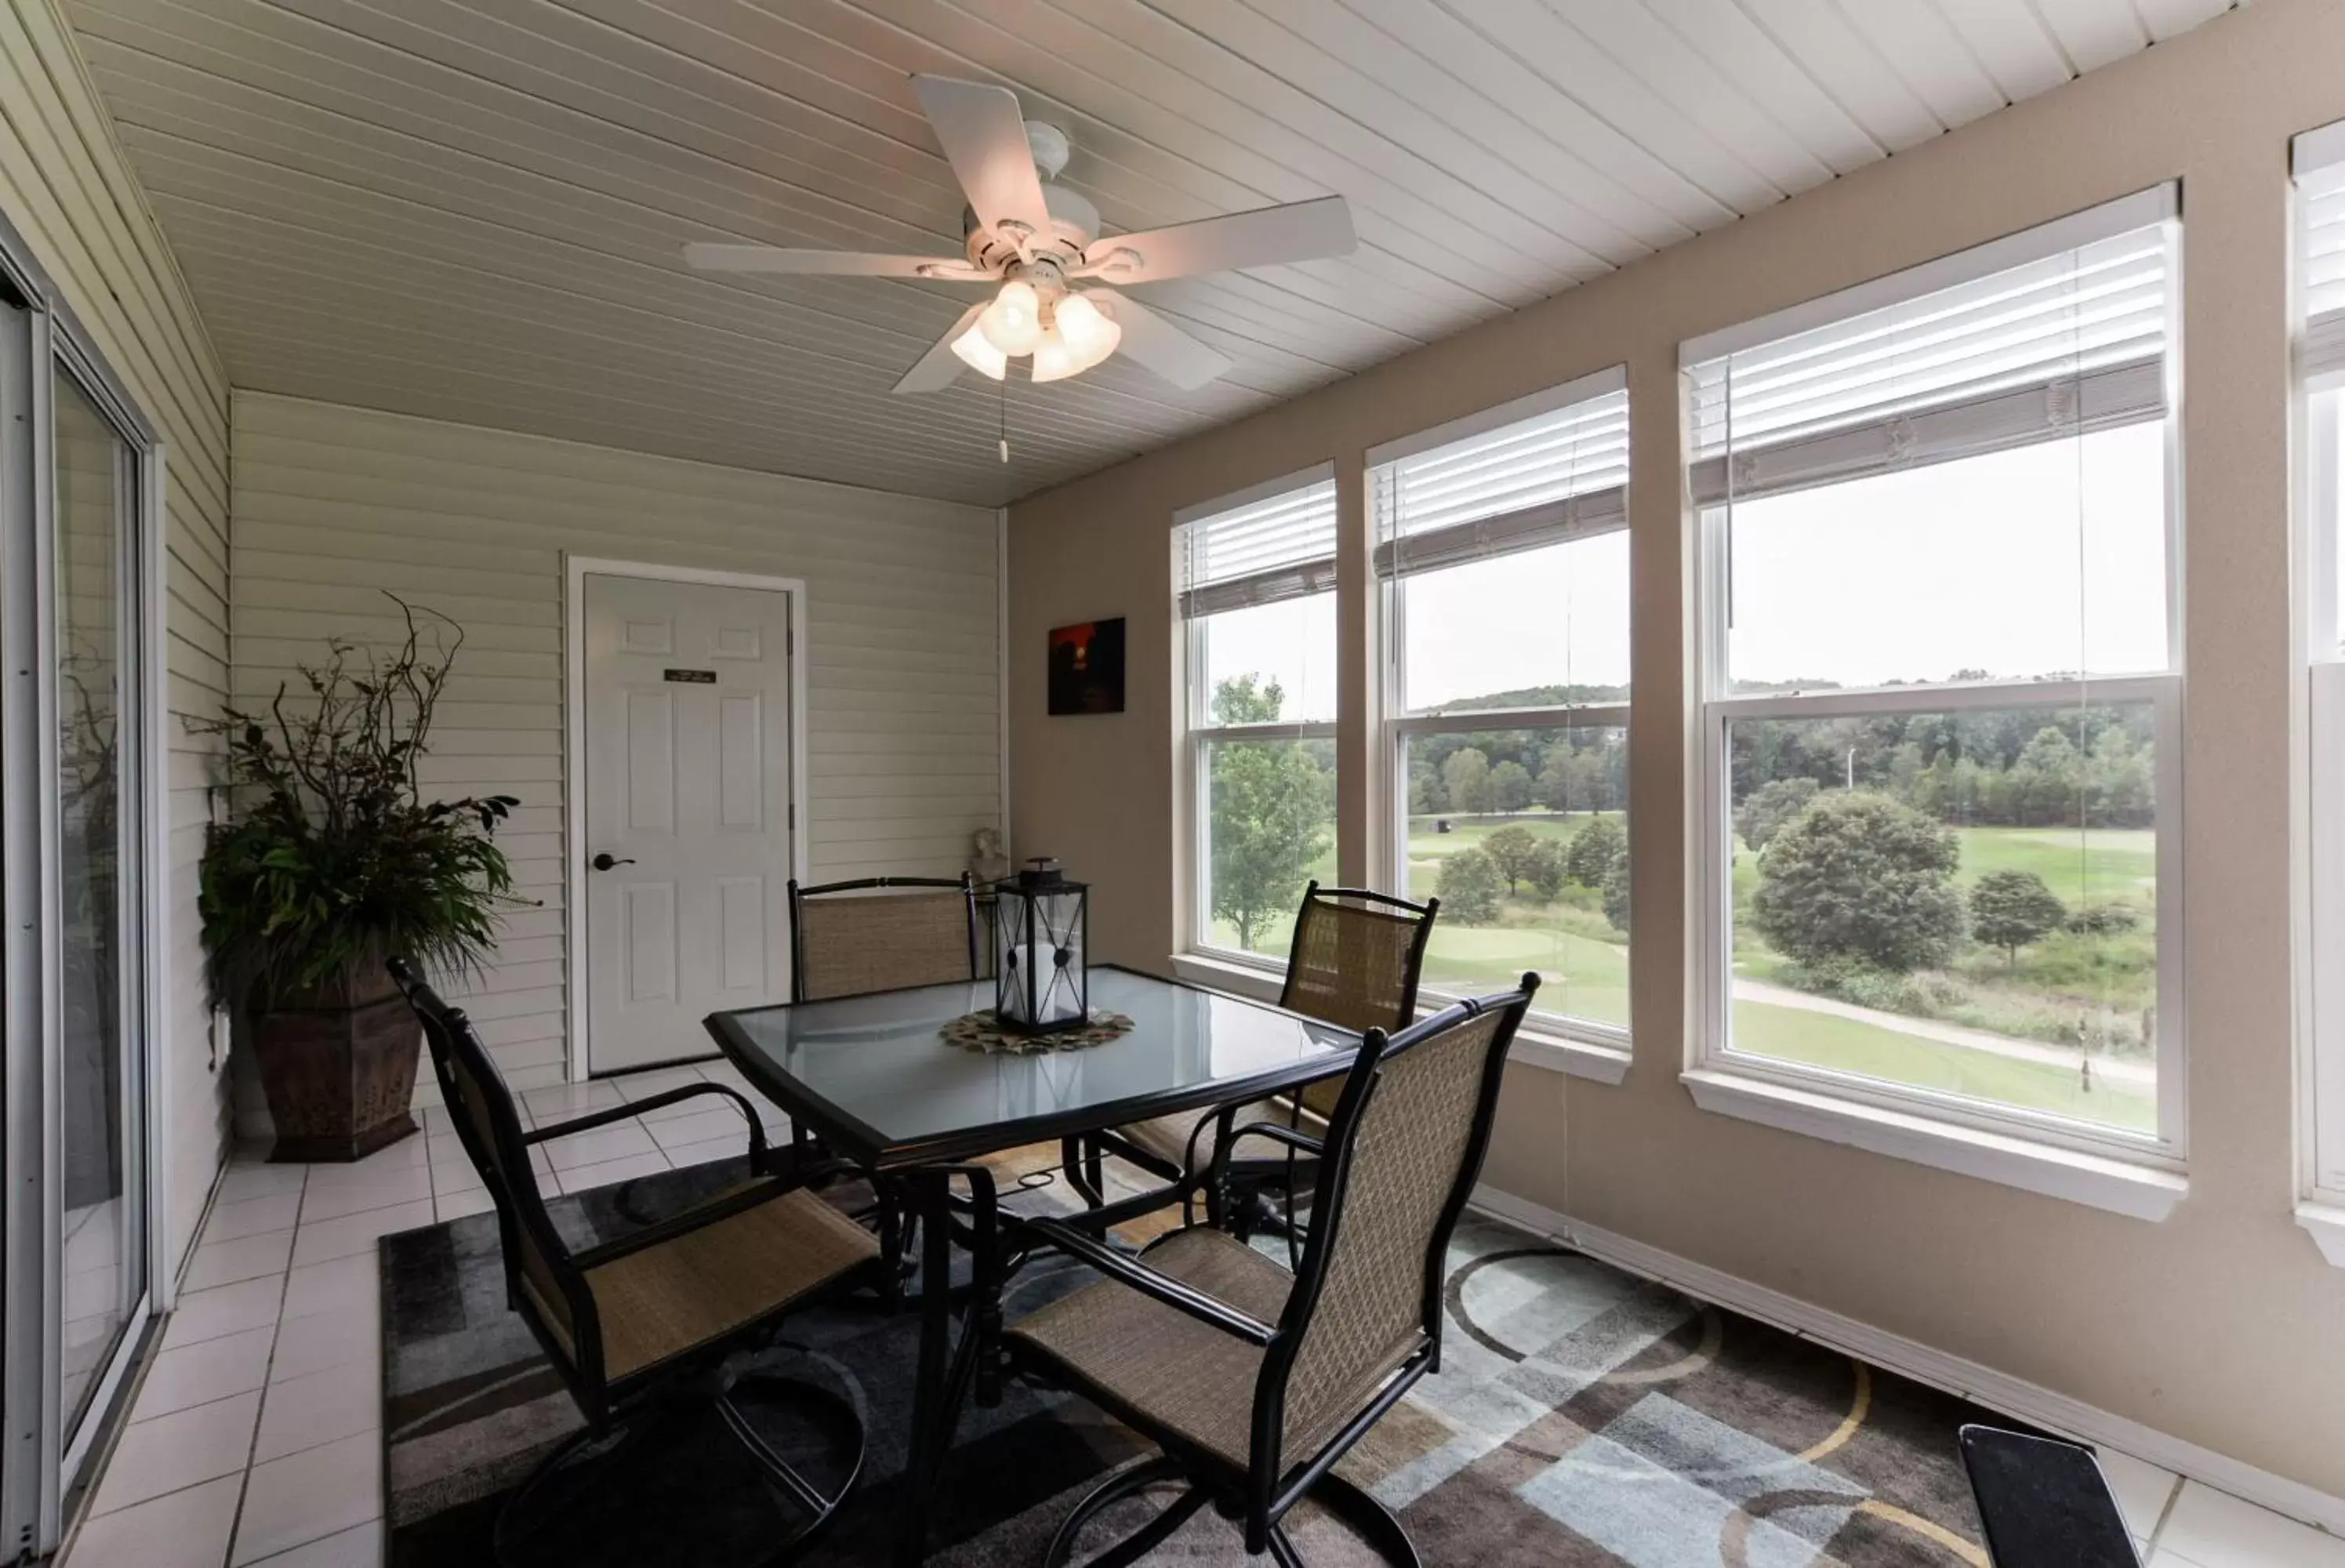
[1170, 1368]
[851, 944]
[702, 1285]
[1351, 966]
[1168, 1136]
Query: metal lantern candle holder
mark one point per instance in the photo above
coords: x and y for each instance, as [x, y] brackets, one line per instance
[1041, 928]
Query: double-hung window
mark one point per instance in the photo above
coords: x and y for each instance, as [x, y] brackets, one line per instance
[2321, 362]
[1940, 682]
[1502, 549]
[1257, 574]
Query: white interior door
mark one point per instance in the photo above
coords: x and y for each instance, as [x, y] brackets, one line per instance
[688, 812]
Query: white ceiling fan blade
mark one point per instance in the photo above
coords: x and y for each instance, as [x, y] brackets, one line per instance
[827, 263]
[940, 367]
[1155, 344]
[1299, 231]
[984, 134]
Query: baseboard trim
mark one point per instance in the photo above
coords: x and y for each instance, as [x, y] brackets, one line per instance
[1909, 1358]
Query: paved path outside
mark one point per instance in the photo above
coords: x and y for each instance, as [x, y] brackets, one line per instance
[2117, 1069]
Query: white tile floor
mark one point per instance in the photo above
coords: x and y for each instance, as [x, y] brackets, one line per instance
[256, 1439]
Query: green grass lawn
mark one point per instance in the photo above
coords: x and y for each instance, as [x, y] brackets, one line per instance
[2098, 866]
[1584, 965]
[1846, 1045]
[1581, 976]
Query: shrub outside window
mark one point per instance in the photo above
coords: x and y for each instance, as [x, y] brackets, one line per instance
[1941, 680]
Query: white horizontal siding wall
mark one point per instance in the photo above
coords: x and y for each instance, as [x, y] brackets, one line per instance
[333, 505]
[65, 187]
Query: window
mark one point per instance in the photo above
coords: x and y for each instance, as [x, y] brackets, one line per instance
[1258, 602]
[1503, 552]
[2320, 207]
[1940, 693]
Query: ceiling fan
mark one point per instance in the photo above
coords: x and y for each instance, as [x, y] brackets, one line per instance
[1037, 240]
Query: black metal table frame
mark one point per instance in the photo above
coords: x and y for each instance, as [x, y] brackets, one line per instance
[928, 1165]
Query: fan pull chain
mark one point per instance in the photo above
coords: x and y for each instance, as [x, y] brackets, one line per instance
[1005, 416]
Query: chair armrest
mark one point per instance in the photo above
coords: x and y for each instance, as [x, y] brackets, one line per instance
[1163, 1288]
[1277, 1132]
[632, 1109]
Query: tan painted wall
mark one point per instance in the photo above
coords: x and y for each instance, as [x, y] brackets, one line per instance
[2221, 1326]
[64, 186]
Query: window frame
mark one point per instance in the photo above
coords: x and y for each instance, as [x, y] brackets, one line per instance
[44, 342]
[1198, 738]
[2317, 404]
[1715, 707]
[2323, 648]
[1399, 723]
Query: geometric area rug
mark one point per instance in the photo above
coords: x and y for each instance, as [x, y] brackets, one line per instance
[1581, 1416]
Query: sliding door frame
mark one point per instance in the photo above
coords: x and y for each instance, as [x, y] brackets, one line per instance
[40, 1462]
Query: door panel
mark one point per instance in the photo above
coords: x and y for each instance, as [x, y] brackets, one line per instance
[103, 1225]
[687, 695]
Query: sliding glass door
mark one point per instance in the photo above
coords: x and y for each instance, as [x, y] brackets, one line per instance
[79, 1254]
[100, 1084]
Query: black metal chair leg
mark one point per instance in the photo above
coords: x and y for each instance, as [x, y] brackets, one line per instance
[821, 1511]
[1368, 1519]
[1114, 1490]
[501, 1542]
[1077, 1159]
[1282, 1550]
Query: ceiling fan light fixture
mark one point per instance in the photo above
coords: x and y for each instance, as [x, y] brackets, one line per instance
[1089, 333]
[977, 351]
[1013, 322]
[1054, 361]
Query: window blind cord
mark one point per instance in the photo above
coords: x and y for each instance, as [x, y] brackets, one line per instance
[2083, 663]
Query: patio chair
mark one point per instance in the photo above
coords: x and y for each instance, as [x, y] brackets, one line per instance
[1254, 1382]
[661, 1316]
[1354, 963]
[881, 934]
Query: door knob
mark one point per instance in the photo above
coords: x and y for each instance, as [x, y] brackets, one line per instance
[604, 860]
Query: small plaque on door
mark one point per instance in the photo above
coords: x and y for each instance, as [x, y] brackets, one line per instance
[694, 677]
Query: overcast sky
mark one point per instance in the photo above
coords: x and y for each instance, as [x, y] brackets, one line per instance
[2047, 558]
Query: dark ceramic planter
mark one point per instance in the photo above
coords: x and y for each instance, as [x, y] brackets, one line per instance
[339, 1066]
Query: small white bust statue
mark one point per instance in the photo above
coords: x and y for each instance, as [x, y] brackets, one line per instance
[987, 864]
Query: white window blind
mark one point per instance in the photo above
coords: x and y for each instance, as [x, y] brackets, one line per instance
[2026, 348]
[1281, 546]
[2320, 216]
[1556, 475]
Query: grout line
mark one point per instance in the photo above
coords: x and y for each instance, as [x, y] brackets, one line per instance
[267, 1378]
[2173, 1496]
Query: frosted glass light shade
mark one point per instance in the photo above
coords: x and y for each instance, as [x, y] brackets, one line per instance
[978, 354]
[1090, 335]
[1053, 360]
[1013, 322]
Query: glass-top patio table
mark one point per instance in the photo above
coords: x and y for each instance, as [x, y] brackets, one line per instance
[875, 1078]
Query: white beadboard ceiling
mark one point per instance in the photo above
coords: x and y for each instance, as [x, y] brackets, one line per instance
[472, 209]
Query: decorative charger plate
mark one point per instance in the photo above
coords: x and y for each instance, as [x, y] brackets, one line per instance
[980, 1032]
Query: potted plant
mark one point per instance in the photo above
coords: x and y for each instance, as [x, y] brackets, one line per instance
[331, 863]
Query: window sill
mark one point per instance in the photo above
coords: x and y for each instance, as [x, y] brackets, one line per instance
[2325, 1223]
[1533, 1048]
[2096, 1180]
